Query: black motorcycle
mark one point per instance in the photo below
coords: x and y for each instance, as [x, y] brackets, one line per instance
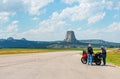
[95, 59]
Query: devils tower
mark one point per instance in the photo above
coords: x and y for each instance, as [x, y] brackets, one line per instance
[70, 37]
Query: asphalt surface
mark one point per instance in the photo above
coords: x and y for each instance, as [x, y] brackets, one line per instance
[57, 65]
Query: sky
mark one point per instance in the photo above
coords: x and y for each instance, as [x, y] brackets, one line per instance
[49, 20]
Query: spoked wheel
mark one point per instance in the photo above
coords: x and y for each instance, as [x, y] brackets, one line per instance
[83, 60]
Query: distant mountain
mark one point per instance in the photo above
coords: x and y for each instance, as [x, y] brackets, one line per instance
[23, 43]
[101, 43]
[70, 41]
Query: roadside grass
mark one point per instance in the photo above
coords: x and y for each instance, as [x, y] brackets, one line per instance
[6, 51]
[113, 57]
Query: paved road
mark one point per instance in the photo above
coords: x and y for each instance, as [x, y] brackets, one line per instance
[57, 65]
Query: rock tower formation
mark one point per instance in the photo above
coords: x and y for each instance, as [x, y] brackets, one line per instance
[70, 37]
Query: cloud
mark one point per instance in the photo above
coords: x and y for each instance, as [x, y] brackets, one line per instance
[33, 7]
[70, 1]
[10, 30]
[112, 32]
[35, 18]
[114, 27]
[55, 26]
[76, 13]
[87, 34]
[87, 9]
[13, 27]
[108, 4]
[76, 1]
[47, 30]
[96, 18]
[8, 5]
[4, 16]
[83, 11]
[108, 33]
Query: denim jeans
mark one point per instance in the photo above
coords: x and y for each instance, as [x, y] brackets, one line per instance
[89, 59]
[104, 59]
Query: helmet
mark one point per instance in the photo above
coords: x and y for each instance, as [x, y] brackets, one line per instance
[102, 47]
[89, 45]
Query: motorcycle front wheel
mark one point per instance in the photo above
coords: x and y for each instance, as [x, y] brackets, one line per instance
[83, 60]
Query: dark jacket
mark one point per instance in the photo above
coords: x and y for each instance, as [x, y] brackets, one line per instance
[103, 52]
[90, 50]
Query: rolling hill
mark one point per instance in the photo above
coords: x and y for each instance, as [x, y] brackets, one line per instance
[23, 43]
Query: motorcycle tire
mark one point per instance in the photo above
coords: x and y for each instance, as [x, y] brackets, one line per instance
[83, 60]
[98, 63]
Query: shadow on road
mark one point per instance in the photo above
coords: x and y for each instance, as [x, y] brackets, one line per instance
[103, 65]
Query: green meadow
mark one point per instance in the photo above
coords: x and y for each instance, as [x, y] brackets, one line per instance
[113, 54]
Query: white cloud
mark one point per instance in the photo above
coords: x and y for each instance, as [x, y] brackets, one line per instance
[114, 27]
[35, 18]
[8, 5]
[109, 33]
[88, 34]
[70, 1]
[96, 18]
[34, 6]
[77, 1]
[47, 30]
[76, 13]
[4, 16]
[51, 29]
[10, 31]
[108, 4]
[13, 27]
[83, 11]
[87, 9]
[5, 1]
[112, 4]
[55, 26]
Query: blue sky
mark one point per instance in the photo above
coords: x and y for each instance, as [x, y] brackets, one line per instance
[48, 20]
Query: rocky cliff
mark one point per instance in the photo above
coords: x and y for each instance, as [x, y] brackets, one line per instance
[70, 37]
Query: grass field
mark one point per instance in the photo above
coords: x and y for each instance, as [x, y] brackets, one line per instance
[113, 54]
[6, 51]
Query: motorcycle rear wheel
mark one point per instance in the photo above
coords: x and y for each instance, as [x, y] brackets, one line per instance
[98, 63]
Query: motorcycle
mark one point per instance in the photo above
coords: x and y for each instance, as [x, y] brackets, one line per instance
[95, 59]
